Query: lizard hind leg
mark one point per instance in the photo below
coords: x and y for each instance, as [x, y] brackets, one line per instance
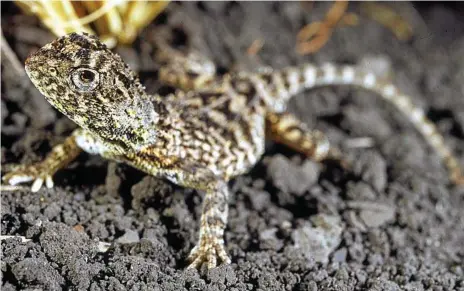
[285, 128]
[185, 70]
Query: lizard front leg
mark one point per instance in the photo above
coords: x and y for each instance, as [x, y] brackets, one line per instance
[285, 128]
[60, 156]
[214, 213]
[210, 245]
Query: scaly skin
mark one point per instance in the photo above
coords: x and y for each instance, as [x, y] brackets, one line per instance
[208, 132]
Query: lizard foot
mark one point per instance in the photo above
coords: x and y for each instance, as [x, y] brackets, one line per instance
[208, 250]
[37, 173]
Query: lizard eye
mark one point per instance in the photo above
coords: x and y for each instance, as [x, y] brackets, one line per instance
[85, 80]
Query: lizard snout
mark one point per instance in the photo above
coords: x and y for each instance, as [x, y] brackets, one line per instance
[43, 58]
[31, 62]
[28, 61]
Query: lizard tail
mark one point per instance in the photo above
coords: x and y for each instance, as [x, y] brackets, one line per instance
[288, 82]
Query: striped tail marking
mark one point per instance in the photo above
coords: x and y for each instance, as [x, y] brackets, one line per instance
[286, 83]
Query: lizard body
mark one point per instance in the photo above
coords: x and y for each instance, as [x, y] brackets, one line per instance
[206, 133]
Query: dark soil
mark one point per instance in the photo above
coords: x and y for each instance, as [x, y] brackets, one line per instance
[395, 224]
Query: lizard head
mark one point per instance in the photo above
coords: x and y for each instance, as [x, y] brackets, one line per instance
[92, 86]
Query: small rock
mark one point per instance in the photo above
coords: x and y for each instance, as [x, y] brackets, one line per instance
[259, 199]
[19, 123]
[289, 177]
[366, 122]
[361, 276]
[130, 236]
[382, 284]
[353, 220]
[38, 272]
[360, 191]
[53, 210]
[321, 239]
[269, 240]
[374, 218]
[357, 252]
[342, 274]
[374, 214]
[379, 65]
[373, 169]
[340, 255]
[151, 234]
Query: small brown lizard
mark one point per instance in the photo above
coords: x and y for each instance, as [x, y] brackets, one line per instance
[208, 132]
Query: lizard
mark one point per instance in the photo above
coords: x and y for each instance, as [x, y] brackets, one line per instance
[210, 130]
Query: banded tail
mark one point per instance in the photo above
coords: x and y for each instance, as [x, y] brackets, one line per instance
[278, 87]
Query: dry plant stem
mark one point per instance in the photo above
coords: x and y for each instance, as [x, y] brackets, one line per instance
[8, 53]
[115, 21]
[388, 18]
[255, 47]
[320, 32]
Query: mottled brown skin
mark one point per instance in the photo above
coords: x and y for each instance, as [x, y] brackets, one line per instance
[211, 130]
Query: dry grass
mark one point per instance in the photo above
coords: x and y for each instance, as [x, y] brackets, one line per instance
[114, 21]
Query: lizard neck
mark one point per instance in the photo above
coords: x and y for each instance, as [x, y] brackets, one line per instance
[142, 122]
[132, 124]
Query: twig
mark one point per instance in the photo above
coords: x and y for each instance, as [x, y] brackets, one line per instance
[11, 188]
[11, 56]
[388, 18]
[255, 47]
[361, 142]
[314, 36]
[102, 246]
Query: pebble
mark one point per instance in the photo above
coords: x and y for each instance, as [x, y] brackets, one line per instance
[131, 236]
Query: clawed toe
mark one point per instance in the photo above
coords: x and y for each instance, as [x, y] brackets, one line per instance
[27, 174]
[208, 251]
